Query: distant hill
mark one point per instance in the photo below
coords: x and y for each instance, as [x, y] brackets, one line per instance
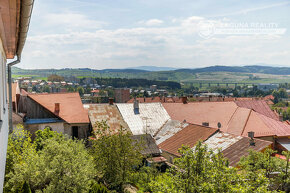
[243, 69]
[153, 68]
[254, 73]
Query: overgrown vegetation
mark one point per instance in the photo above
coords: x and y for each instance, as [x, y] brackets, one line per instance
[56, 163]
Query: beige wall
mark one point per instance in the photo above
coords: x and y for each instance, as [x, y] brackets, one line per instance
[62, 127]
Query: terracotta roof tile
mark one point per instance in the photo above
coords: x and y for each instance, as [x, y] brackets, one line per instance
[199, 112]
[259, 106]
[71, 107]
[234, 119]
[241, 148]
[189, 136]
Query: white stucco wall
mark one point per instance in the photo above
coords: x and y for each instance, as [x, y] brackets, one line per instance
[3, 116]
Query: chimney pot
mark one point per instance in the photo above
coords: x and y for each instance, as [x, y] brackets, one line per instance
[111, 101]
[136, 106]
[184, 100]
[56, 108]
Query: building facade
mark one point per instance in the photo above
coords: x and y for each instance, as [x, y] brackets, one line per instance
[3, 115]
[14, 24]
[122, 95]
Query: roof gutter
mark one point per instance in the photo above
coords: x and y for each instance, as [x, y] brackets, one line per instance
[25, 15]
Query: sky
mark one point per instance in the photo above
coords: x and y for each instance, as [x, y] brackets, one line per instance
[102, 34]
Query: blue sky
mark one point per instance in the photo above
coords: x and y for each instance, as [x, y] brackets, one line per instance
[124, 33]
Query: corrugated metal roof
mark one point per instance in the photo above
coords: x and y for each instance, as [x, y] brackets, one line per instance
[108, 113]
[151, 117]
[168, 130]
[285, 142]
[221, 141]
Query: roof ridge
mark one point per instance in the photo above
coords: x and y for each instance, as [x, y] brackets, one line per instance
[247, 121]
[232, 117]
[56, 93]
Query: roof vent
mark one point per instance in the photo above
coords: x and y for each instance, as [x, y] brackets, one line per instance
[136, 107]
[219, 125]
[251, 134]
[206, 124]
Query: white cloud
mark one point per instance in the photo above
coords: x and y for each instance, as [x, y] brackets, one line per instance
[153, 22]
[72, 21]
[163, 45]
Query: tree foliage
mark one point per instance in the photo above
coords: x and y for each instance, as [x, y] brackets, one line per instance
[115, 155]
[50, 164]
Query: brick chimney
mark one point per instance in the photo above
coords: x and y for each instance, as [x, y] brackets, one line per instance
[56, 108]
[184, 99]
[111, 101]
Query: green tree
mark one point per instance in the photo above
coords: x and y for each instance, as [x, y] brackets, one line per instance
[115, 155]
[258, 164]
[200, 170]
[70, 89]
[81, 90]
[60, 165]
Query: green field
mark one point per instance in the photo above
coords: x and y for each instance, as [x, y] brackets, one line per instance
[182, 76]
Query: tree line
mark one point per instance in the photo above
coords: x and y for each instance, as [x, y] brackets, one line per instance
[129, 83]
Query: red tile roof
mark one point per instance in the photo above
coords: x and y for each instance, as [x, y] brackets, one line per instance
[199, 112]
[188, 136]
[234, 119]
[71, 107]
[259, 106]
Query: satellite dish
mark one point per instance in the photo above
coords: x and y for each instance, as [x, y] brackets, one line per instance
[219, 125]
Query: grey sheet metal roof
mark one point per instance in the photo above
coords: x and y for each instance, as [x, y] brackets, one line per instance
[151, 117]
[168, 130]
[285, 142]
[221, 141]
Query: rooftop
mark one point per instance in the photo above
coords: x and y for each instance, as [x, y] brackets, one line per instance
[234, 119]
[241, 148]
[168, 130]
[108, 113]
[148, 144]
[71, 107]
[151, 117]
[188, 136]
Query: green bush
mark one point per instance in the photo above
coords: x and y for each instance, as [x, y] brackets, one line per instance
[98, 188]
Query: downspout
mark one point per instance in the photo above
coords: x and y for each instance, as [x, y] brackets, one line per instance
[10, 91]
[25, 15]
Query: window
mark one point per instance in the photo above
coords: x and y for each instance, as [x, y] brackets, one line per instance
[75, 131]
